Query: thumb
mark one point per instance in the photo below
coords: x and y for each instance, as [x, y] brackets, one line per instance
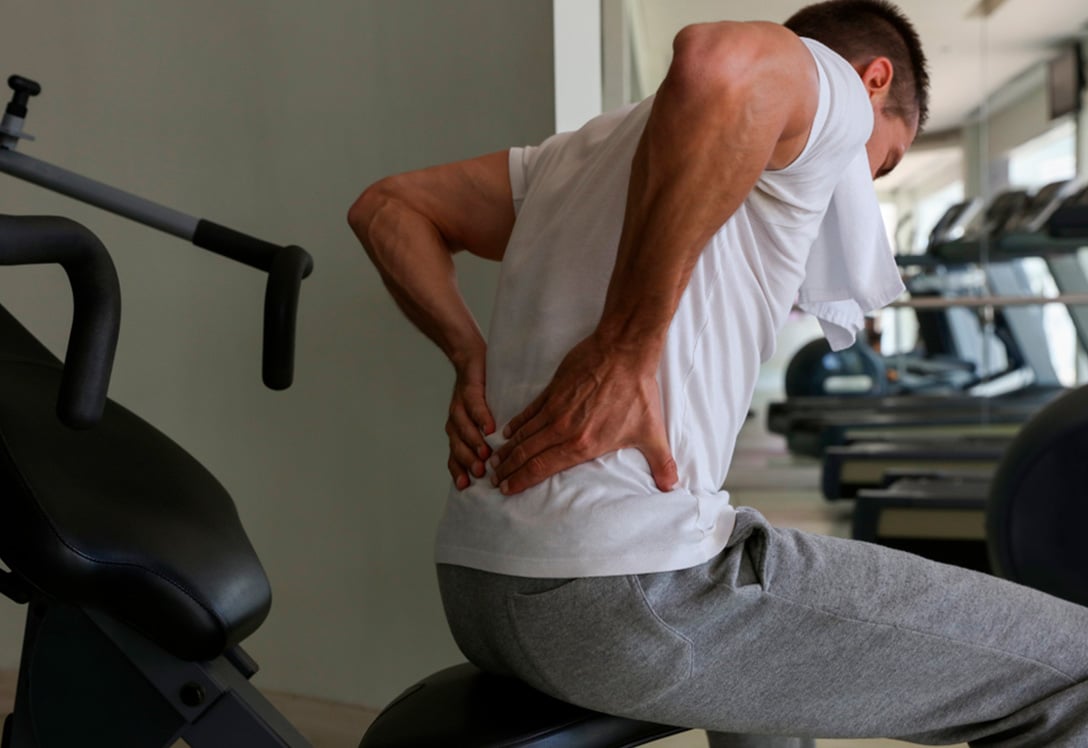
[662, 464]
[481, 414]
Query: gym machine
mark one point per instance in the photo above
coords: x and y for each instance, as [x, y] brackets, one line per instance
[139, 579]
[950, 360]
[814, 426]
[950, 334]
[962, 517]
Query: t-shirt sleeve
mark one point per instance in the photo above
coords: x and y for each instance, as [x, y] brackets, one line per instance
[520, 159]
[527, 161]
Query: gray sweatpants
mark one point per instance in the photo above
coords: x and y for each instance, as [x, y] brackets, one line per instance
[787, 633]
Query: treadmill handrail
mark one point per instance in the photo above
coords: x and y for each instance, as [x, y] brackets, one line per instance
[985, 301]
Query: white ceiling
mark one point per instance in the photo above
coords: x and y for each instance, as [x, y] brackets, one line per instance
[969, 57]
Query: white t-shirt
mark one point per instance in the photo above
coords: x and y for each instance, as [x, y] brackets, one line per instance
[606, 516]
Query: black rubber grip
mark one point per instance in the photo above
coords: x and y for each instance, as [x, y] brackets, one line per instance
[96, 306]
[289, 267]
[237, 246]
[286, 267]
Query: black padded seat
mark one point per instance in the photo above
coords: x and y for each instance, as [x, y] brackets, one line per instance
[1038, 509]
[464, 707]
[119, 518]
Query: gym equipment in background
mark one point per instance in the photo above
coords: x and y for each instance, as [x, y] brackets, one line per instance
[1036, 505]
[954, 355]
[815, 370]
[1007, 394]
[1018, 519]
[1012, 516]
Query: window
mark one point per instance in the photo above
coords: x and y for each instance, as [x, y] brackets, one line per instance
[1051, 157]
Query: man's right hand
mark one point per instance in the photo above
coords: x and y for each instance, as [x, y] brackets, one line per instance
[469, 421]
[598, 401]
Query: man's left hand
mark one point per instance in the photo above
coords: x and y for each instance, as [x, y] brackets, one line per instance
[469, 422]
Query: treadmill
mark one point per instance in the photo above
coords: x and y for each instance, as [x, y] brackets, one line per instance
[941, 514]
[813, 431]
[946, 433]
[951, 225]
[1025, 383]
[849, 470]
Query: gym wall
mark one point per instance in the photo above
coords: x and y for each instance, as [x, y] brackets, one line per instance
[271, 117]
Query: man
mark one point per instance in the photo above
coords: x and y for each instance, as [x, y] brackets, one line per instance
[648, 261]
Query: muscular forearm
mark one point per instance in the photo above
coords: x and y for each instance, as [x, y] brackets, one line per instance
[416, 265]
[411, 224]
[714, 115]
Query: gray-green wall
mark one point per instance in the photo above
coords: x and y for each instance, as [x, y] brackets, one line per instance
[271, 117]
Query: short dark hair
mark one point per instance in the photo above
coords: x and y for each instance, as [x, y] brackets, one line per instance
[861, 31]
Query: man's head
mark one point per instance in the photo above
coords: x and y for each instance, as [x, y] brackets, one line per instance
[882, 45]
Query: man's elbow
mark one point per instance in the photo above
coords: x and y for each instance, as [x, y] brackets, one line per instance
[369, 204]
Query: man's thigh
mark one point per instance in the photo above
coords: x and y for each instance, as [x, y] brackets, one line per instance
[804, 634]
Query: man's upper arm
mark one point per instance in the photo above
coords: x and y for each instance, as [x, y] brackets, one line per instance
[470, 202]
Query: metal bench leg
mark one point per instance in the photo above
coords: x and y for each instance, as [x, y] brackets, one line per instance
[85, 679]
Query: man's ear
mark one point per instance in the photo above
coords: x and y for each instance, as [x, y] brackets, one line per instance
[877, 77]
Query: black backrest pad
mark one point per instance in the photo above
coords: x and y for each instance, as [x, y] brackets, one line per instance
[119, 518]
[1039, 501]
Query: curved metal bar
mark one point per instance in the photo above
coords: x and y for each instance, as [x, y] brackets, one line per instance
[96, 312]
